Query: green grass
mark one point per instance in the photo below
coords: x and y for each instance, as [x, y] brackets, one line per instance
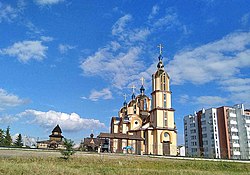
[107, 164]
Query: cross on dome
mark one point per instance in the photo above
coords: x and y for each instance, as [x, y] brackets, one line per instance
[161, 47]
[125, 97]
[142, 81]
[133, 88]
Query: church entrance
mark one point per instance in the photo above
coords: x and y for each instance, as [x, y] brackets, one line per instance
[166, 148]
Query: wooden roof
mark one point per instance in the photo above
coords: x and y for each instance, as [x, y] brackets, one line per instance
[57, 129]
[120, 136]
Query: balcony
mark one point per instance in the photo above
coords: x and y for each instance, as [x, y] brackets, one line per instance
[233, 122]
[236, 145]
[234, 130]
[232, 115]
[248, 121]
[235, 137]
[236, 153]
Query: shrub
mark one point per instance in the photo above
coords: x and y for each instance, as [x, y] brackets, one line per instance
[68, 151]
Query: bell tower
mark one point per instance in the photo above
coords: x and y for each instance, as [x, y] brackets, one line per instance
[162, 113]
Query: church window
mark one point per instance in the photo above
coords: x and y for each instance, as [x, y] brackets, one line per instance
[134, 109]
[165, 119]
[145, 104]
[163, 82]
[164, 100]
[152, 103]
[166, 134]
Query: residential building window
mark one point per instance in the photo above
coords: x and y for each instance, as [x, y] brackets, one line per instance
[205, 142]
[204, 135]
[235, 134]
[194, 150]
[193, 143]
[192, 125]
[193, 131]
[193, 137]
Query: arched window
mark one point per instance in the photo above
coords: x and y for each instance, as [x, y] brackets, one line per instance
[163, 82]
[166, 136]
[134, 109]
[145, 104]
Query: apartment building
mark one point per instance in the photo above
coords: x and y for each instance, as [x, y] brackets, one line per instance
[239, 129]
[191, 135]
[222, 132]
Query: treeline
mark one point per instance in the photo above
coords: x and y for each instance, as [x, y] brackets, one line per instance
[6, 140]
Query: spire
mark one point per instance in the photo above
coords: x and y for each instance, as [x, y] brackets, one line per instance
[160, 63]
[133, 89]
[125, 102]
[142, 88]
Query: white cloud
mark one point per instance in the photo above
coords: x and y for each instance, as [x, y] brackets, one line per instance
[9, 100]
[48, 2]
[139, 34]
[236, 84]
[214, 61]
[102, 94]
[245, 19]
[68, 122]
[155, 10]
[168, 21]
[210, 101]
[238, 88]
[8, 119]
[120, 61]
[26, 50]
[64, 48]
[203, 101]
[184, 99]
[119, 26]
[46, 38]
[117, 68]
[7, 13]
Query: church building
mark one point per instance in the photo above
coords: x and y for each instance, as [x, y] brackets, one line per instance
[146, 125]
[55, 140]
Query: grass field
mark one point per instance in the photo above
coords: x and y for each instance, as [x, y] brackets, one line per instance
[38, 162]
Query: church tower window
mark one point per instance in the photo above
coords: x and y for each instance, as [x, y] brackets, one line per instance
[164, 100]
[145, 104]
[163, 82]
[165, 119]
[134, 109]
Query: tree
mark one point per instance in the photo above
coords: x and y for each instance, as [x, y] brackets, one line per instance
[18, 142]
[7, 139]
[2, 137]
[68, 151]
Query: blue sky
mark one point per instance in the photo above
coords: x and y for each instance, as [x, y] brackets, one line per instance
[70, 62]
